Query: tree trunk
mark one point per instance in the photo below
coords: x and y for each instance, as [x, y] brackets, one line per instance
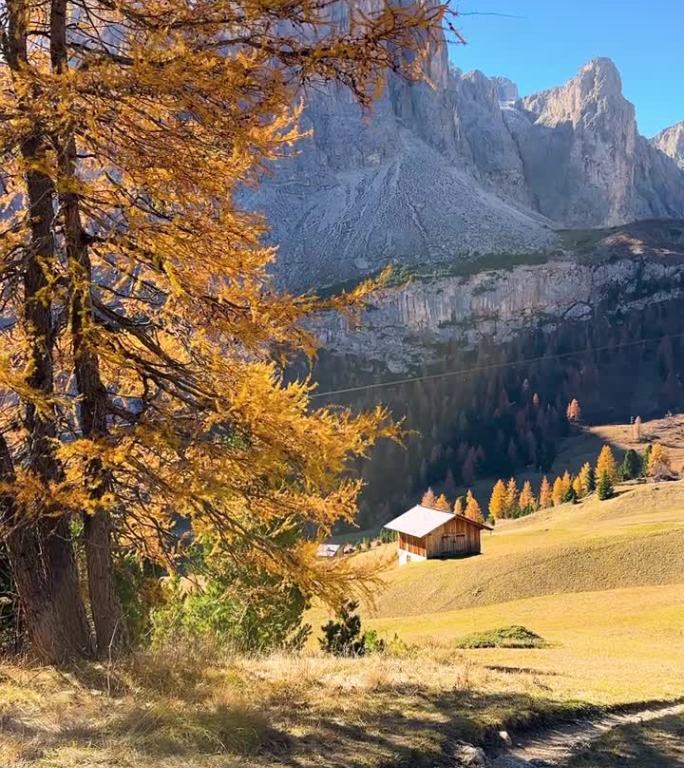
[108, 617]
[57, 633]
[40, 544]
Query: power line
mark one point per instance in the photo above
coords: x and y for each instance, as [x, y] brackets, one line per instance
[490, 367]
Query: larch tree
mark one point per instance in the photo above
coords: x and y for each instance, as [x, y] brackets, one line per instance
[460, 505]
[606, 464]
[557, 493]
[545, 494]
[658, 460]
[511, 498]
[143, 343]
[573, 411]
[442, 503]
[497, 502]
[472, 508]
[578, 487]
[587, 478]
[527, 502]
[429, 499]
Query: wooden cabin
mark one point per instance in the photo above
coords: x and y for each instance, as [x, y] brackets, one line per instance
[426, 533]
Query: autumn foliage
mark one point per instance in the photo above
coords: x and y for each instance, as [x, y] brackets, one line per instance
[143, 343]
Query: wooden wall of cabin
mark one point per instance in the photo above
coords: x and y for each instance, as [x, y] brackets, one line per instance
[412, 544]
[456, 527]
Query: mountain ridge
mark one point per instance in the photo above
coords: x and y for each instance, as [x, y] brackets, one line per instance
[460, 168]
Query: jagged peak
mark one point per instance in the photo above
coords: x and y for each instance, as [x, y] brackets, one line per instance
[603, 74]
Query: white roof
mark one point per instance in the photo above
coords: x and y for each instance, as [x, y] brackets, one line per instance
[419, 521]
[327, 550]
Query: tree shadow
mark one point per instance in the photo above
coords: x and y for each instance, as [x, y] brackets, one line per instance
[386, 726]
[656, 744]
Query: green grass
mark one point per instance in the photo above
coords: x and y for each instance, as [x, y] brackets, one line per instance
[515, 636]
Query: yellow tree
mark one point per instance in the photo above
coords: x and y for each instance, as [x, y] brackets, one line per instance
[658, 460]
[429, 499]
[442, 503]
[578, 487]
[497, 502]
[545, 494]
[606, 464]
[527, 502]
[511, 498]
[566, 482]
[472, 509]
[143, 341]
[587, 478]
[557, 492]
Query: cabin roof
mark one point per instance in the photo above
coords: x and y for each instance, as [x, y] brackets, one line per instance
[327, 550]
[419, 521]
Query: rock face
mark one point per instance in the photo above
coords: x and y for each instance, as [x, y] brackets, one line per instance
[407, 326]
[585, 162]
[671, 142]
[461, 167]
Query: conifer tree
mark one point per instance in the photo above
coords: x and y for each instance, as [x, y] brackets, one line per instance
[545, 494]
[631, 465]
[472, 510]
[604, 487]
[498, 501]
[557, 493]
[429, 499]
[442, 503]
[146, 374]
[658, 460]
[527, 502]
[606, 464]
[637, 426]
[574, 412]
[511, 498]
[568, 492]
[578, 487]
[460, 506]
[587, 478]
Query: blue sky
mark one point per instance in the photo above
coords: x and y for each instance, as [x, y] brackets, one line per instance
[541, 43]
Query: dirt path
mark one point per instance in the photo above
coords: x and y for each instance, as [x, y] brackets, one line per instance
[554, 746]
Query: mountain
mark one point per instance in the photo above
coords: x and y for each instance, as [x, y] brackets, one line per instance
[671, 142]
[460, 167]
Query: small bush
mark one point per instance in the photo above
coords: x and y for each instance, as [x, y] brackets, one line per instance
[514, 636]
[344, 637]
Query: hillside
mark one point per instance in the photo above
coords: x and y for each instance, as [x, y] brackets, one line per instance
[634, 539]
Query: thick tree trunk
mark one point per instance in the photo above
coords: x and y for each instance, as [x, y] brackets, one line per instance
[108, 617]
[40, 545]
[57, 633]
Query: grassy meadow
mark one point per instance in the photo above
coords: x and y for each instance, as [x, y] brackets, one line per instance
[602, 583]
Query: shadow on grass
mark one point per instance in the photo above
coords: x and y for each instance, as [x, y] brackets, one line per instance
[387, 726]
[657, 744]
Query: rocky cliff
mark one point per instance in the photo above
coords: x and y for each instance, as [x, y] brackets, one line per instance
[408, 326]
[671, 142]
[461, 167]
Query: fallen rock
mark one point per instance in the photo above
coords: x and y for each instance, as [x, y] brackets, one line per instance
[469, 756]
[505, 737]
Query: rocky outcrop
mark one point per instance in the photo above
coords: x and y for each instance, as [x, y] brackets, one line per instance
[444, 171]
[671, 142]
[406, 326]
[584, 159]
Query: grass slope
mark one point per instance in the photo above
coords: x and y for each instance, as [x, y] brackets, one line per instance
[634, 539]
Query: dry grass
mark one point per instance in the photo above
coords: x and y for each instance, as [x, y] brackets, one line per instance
[281, 710]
